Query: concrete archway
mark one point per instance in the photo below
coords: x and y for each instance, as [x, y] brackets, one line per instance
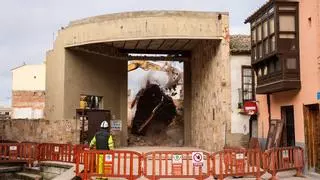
[90, 56]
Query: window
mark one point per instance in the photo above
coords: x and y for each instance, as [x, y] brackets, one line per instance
[247, 83]
[90, 102]
[287, 23]
[259, 32]
[271, 67]
[260, 50]
[266, 47]
[291, 63]
[265, 29]
[253, 34]
[287, 8]
[254, 53]
[273, 43]
[278, 65]
[271, 23]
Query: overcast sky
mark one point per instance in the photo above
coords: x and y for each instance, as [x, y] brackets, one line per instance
[27, 27]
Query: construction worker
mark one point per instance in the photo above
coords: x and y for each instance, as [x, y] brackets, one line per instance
[102, 140]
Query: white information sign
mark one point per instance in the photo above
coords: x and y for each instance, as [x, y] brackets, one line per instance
[56, 149]
[108, 158]
[116, 125]
[239, 156]
[13, 148]
[177, 159]
[285, 154]
[197, 158]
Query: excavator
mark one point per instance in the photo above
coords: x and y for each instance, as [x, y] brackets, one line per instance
[149, 106]
[174, 74]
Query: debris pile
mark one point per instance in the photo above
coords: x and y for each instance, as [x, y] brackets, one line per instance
[157, 120]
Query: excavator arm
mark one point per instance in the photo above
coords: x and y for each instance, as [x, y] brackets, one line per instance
[145, 65]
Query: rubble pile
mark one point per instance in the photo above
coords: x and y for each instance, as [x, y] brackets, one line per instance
[157, 120]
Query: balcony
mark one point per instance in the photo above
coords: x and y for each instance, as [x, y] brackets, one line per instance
[275, 46]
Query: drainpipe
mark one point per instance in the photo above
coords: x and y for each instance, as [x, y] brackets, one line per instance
[269, 108]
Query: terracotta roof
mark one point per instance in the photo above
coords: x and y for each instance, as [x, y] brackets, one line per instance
[240, 44]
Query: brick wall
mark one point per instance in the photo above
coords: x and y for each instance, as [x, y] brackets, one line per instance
[33, 99]
[28, 104]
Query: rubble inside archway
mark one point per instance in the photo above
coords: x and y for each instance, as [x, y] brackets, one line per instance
[158, 120]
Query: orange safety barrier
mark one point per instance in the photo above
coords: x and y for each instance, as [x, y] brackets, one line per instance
[237, 162]
[177, 164]
[18, 152]
[234, 162]
[116, 164]
[57, 152]
[283, 159]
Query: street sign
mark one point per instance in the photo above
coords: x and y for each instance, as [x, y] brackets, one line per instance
[177, 159]
[318, 96]
[197, 158]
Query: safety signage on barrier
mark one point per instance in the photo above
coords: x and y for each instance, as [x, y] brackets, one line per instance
[108, 158]
[56, 149]
[13, 148]
[239, 156]
[177, 159]
[177, 164]
[285, 154]
[197, 158]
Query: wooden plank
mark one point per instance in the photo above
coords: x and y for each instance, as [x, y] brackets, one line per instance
[307, 131]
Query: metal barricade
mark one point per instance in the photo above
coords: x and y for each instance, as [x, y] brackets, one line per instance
[177, 164]
[60, 152]
[283, 159]
[112, 164]
[237, 162]
[18, 152]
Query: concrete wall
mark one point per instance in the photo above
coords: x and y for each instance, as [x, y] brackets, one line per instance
[239, 122]
[95, 75]
[144, 25]
[70, 73]
[211, 93]
[29, 78]
[55, 72]
[310, 74]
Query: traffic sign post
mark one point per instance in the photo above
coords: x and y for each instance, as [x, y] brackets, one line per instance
[197, 158]
[177, 164]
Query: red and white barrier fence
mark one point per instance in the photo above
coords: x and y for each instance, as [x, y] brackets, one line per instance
[235, 162]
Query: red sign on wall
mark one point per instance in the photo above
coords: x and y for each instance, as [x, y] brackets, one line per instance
[250, 107]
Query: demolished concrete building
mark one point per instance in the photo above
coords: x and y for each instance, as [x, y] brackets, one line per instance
[90, 57]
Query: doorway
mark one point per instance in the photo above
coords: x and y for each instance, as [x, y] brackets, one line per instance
[288, 133]
[312, 134]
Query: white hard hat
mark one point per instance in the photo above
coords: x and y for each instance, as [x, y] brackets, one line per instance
[104, 124]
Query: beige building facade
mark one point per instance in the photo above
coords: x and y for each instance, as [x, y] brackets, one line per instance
[28, 91]
[90, 57]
